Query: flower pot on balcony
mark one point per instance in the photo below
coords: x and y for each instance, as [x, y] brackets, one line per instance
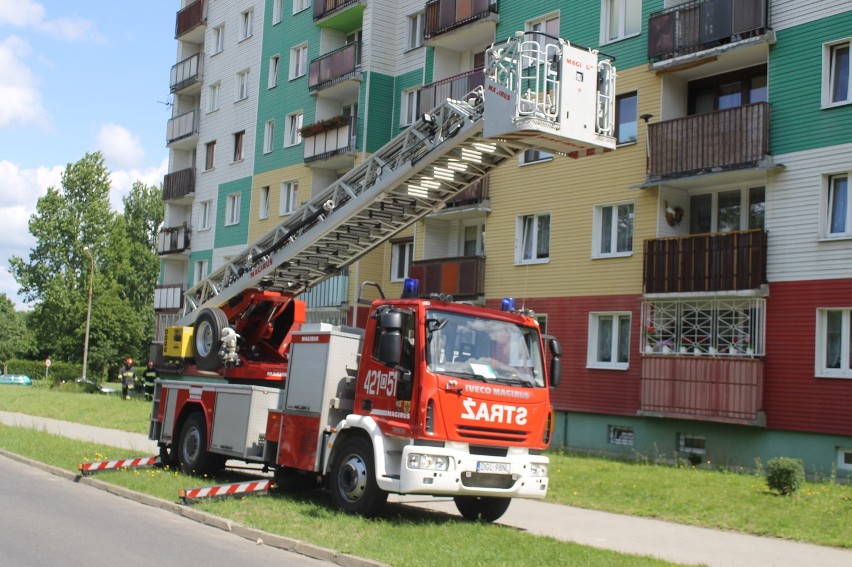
[649, 349]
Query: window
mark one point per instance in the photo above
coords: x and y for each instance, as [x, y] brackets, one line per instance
[410, 107]
[613, 234]
[298, 61]
[200, 271]
[299, 5]
[242, 85]
[619, 435]
[263, 208]
[213, 97]
[294, 123]
[844, 458]
[268, 136]
[725, 211]
[415, 31]
[204, 215]
[548, 25]
[470, 238]
[533, 239]
[210, 155]
[626, 112]
[609, 340]
[218, 39]
[232, 209]
[289, 197]
[272, 80]
[246, 24]
[838, 209]
[541, 318]
[728, 90]
[401, 259]
[277, 11]
[534, 156]
[691, 443]
[238, 145]
[834, 343]
[837, 79]
[620, 19]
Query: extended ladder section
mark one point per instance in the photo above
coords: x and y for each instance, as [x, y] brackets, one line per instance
[523, 105]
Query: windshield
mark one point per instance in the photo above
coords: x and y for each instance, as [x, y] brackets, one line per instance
[483, 349]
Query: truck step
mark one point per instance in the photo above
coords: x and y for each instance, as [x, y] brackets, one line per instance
[189, 495]
[131, 463]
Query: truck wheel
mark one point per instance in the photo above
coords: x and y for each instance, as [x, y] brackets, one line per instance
[487, 508]
[353, 479]
[206, 337]
[192, 455]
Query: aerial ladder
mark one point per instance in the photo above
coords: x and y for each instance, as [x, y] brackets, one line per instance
[540, 92]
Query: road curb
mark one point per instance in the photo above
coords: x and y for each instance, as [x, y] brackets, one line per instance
[252, 534]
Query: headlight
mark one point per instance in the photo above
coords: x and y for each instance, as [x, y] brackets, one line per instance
[428, 462]
[537, 469]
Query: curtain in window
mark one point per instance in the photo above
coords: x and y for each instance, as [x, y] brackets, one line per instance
[605, 339]
[543, 242]
[838, 204]
[625, 228]
[623, 339]
[833, 324]
[840, 72]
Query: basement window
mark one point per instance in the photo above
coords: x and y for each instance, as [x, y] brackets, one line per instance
[619, 435]
[691, 443]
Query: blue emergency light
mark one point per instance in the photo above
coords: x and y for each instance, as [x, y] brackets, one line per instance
[507, 304]
[410, 288]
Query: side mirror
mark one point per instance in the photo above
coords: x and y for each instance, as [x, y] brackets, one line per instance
[390, 346]
[391, 320]
[555, 363]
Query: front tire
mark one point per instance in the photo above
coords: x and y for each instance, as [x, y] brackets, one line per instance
[192, 455]
[486, 508]
[206, 337]
[353, 479]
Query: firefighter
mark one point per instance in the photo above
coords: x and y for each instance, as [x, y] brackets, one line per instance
[128, 376]
[150, 375]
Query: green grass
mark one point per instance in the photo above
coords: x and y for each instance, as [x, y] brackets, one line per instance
[819, 513]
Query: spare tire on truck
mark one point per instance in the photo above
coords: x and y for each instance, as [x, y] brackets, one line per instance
[206, 337]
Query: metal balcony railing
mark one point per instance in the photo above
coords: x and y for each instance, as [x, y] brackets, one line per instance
[443, 16]
[185, 73]
[462, 277]
[182, 126]
[173, 240]
[189, 18]
[338, 65]
[720, 261]
[179, 184]
[700, 25]
[454, 87]
[329, 143]
[323, 8]
[476, 193]
[735, 138]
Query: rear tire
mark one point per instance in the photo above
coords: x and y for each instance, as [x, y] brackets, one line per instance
[207, 336]
[192, 454]
[353, 479]
[486, 508]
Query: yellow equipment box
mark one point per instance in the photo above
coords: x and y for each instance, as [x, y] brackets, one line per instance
[178, 342]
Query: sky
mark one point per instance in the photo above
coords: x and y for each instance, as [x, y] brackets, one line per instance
[75, 77]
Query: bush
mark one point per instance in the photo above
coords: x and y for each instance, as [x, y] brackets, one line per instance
[785, 475]
[59, 371]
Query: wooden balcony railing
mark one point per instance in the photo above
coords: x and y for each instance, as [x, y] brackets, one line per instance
[454, 87]
[443, 16]
[179, 184]
[185, 73]
[476, 193]
[168, 297]
[735, 138]
[721, 261]
[700, 25]
[323, 8]
[189, 18]
[703, 388]
[463, 277]
[173, 239]
[336, 66]
[182, 126]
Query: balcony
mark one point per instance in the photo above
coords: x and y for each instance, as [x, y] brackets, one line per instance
[462, 277]
[475, 194]
[179, 184]
[189, 25]
[722, 261]
[182, 128]
[460, 25]
[705, 25]
[331, 142]
[173, 240]
[339, 70]
[168, 298]
[186, 75]
[702, 388]
[725, 140]
[455, 87]
[341, 15]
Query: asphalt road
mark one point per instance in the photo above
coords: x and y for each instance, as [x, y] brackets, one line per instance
[47, 520]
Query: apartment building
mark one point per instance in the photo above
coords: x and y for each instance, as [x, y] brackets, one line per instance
[698, 277]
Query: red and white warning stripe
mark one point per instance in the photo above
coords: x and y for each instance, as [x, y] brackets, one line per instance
[225, 489]
[97, 466]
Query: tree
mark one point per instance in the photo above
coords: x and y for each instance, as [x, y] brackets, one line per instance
[14, 339]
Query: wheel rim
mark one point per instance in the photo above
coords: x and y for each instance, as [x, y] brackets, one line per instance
[204, 339]
[352, 478]
[191, 446]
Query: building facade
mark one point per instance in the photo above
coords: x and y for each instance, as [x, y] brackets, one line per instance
[699, 277]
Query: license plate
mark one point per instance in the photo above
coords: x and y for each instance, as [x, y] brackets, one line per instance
[498, 468]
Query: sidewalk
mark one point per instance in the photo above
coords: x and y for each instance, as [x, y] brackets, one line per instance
[627, 534]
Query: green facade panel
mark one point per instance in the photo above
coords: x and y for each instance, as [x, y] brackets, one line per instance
[236, 234]
[195, 257]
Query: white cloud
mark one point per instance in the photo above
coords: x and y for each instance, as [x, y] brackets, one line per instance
[123, 180]
[30, 14]
[20, 12]
[18, 87]
[120, 148]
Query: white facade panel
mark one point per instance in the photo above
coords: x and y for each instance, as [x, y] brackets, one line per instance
[785, 14]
